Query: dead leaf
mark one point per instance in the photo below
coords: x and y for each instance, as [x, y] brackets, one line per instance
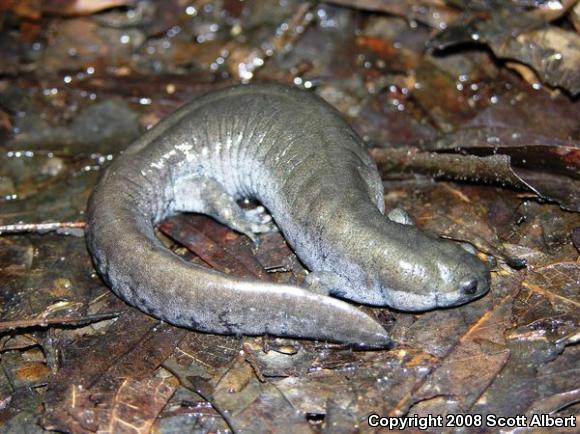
[433, 13]
[131, 407]
[552, 52]
[131, 413]
[81, 7]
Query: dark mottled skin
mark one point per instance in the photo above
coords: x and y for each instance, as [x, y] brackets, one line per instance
[295, 154]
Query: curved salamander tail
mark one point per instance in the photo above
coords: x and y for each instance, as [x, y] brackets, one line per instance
[144, 273]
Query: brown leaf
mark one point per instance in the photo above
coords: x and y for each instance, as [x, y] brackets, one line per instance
[81, 7]
[552, 52]
[397, 58]
[81, 43]
[523, 36]
[433, 13]
[137, 404]
[131, 407]
[134, 346]
[439, 98]
[555, 285]
[219, 253]
[474, 361]
[30, 9]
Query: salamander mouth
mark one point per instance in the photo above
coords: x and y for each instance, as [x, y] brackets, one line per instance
[442, 300]
[423, 299]
[411, 302]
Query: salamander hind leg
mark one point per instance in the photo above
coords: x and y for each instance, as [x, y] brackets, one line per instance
[326, 283]
[207, 196]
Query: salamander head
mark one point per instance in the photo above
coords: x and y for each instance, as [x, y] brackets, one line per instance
[436, 273]
[411, 270]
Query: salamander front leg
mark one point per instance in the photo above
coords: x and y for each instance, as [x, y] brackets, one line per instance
[207, 196]
[260, 216]
[399, 215]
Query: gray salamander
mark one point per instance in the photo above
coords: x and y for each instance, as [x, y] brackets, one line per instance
[296, 155]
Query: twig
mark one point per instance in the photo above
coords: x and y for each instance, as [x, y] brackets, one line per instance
[493, 168]
[60, 227]
[47, 322]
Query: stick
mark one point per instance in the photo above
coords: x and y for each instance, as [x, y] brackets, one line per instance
[61, 227]
[47, 322]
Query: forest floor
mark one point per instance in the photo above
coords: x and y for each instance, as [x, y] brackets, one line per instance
[473, 118]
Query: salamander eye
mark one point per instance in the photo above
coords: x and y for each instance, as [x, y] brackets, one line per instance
[468, 286]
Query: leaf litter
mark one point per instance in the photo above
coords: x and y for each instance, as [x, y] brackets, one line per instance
[477, 138]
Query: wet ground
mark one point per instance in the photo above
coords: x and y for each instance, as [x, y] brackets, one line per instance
[472, 115]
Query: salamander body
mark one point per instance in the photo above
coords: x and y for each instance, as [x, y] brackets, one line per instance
[292, 152]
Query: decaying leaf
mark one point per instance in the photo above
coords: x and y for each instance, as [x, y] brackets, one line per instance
[109, 122]
[552, 52]
[132, 407]
[81, 7]
[432, 12]
[524, 37]
[36, 8]
[552, 291]
[472, 365]
[75, 358]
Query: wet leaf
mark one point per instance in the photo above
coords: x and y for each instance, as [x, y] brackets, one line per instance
[473, 364]
[108, 125]
[34, 9]
[241, 394]
[234, 258]
[75, 71]
[436, 14]
[81, 43]
[522, 36]
[552, 52]
[81, 7]
[552, 291]
[131, 407]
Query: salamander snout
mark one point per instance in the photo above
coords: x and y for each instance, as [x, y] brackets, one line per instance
[474, 284]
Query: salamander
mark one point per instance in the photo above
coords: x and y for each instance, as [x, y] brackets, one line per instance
[295, 154]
